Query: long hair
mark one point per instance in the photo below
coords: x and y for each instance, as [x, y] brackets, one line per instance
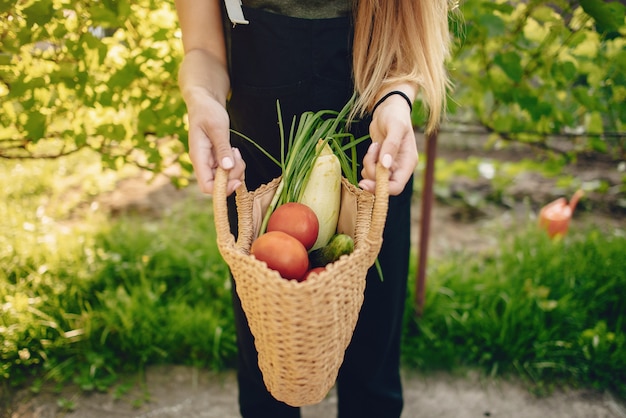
[402, 41]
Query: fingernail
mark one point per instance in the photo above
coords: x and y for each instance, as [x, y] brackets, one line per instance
[387, 161]
[227, 163]
[373, 146]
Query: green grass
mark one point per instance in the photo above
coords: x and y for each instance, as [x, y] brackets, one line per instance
[545, 310]
[85, 297]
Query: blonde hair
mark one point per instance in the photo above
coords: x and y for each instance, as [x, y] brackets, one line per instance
[402, 41]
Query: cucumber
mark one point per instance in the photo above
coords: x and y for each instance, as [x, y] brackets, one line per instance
[338, 245]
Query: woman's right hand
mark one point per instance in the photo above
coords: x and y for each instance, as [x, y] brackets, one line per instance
[209, 143]
[204, 83]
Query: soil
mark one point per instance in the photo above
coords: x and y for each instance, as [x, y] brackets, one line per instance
[183, 392]
[455, 225]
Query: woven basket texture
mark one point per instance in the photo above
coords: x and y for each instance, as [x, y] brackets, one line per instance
[301, 329]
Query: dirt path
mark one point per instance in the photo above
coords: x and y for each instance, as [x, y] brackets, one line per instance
[173, 392]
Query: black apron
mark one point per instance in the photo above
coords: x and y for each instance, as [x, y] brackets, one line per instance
[306, 65]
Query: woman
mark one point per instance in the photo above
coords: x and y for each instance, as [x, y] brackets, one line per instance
[312, 55]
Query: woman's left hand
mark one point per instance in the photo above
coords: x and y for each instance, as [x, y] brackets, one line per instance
[393, 143]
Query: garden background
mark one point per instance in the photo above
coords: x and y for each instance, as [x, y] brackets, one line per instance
[102, 274]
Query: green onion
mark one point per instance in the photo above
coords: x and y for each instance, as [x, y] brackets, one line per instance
[300, 150]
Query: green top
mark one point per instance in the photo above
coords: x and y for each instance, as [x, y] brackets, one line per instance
[308, 9]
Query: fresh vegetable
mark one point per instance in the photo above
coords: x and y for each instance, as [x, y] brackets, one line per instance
[339, 244]
[297, 220]
[318, 152]
[323, 193]
[314, 133]
[283, 253]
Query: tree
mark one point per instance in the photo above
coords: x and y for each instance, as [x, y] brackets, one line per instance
[530, 71]
[102, 75]
[91, 74]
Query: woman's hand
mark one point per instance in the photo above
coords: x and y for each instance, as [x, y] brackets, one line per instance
[393, 144]
[209, 143]
[204, 84]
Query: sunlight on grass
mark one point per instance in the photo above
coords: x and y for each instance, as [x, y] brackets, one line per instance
[543, 309]
[85, 296]
[73, 278]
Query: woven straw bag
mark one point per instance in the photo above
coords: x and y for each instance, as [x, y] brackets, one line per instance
[301, 329]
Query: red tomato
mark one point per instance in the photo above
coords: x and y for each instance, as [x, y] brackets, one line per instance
[282, 253]
[297, 220]
[313, 270]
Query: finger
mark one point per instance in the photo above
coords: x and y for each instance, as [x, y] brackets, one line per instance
[368, 185]
[223, 150]
[390, 146]
[397, 182]
[200, 153]
[237, 174]
[239, 168]
[369, 161]
[404, 166]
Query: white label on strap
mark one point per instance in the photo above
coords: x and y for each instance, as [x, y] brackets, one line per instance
[235, 13]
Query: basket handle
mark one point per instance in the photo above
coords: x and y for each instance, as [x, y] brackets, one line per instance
[379, 211]
[220, 207]
[374, 235]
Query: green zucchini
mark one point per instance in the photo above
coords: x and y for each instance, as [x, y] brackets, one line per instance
[338, 245]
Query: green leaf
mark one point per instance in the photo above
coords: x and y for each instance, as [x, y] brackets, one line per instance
[35, 126]
[511, 64]
[565, 70]
[504, 8]
[5, 59]
[79, 138]
[596, 143]
[123, 9]
[6, 5]
[112, 131]
[577, 39]
[147, 119]
[40, 12]
[103, 16]
[594, 123]
[545, 14]
[124, 77]
[529, 102]
[494, 24]
[92, 45]
[503, 123]
[609, 16]
[584, 98]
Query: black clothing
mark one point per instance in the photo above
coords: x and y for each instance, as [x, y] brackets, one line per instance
[306, 64]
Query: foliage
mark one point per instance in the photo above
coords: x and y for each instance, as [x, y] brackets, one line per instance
[77, 74]
[529, 71]
[547, 310]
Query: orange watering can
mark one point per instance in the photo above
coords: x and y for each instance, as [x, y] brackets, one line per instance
[555, 216]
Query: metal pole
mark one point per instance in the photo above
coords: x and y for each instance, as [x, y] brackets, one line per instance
[426, 208]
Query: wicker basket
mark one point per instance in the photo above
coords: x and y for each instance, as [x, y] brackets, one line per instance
[301, 329]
